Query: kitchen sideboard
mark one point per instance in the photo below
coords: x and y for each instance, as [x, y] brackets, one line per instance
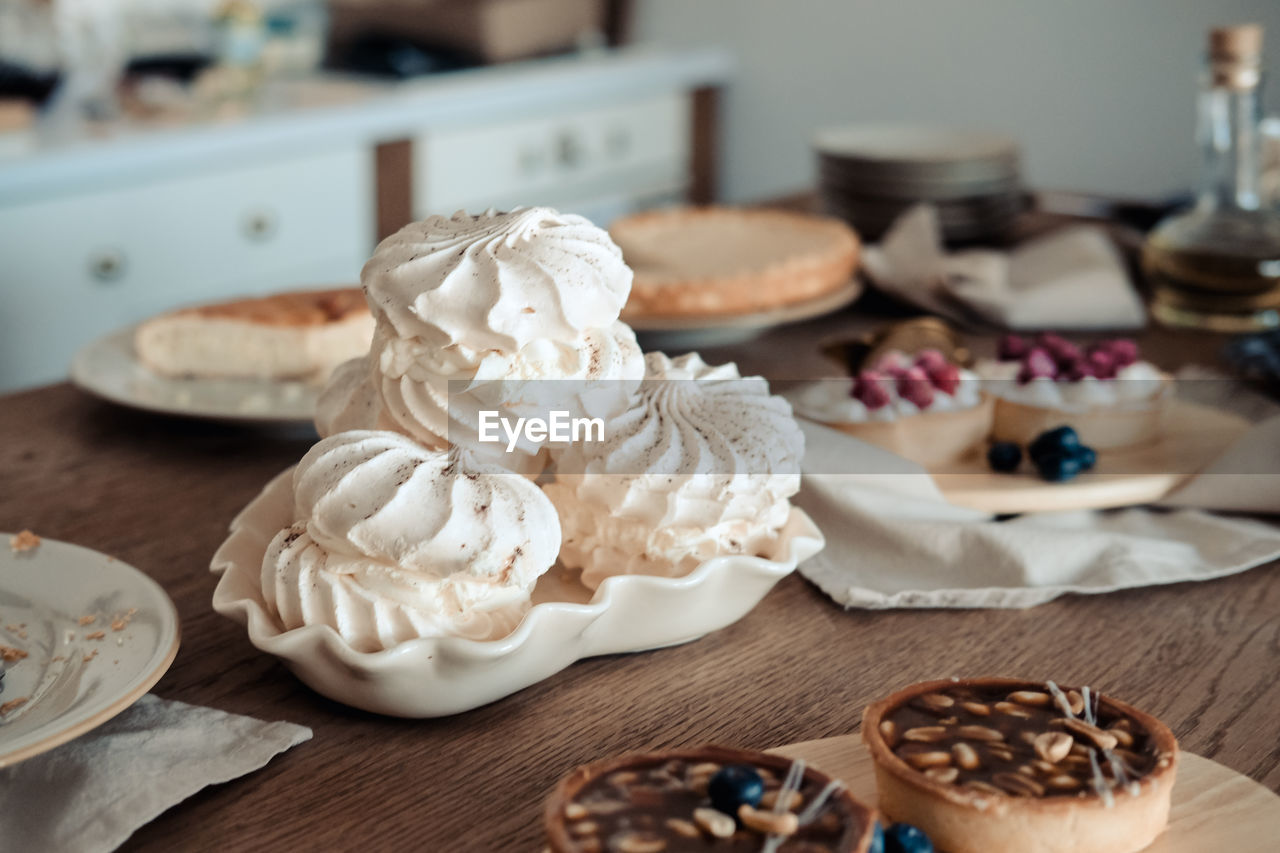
[102, 228]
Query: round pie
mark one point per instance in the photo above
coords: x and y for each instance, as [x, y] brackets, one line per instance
[1002, 765]
[723, 261]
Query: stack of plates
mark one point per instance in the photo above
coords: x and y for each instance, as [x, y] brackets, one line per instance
[869, 174]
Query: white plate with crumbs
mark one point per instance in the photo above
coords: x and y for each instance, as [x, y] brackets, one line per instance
[108, 368]
[83, 636]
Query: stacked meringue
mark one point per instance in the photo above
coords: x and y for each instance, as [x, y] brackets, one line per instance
[406, 525]
[702, 464]
[486, 307]
[395, 541]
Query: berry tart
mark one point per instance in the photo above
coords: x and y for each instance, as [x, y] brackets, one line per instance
[922, 407]
[708, 798]
[1002, 765]
[1105, 391]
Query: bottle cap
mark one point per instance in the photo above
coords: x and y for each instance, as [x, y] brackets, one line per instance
[1235, 56]
[1242, 43]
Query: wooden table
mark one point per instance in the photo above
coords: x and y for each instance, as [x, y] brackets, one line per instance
[159, 493]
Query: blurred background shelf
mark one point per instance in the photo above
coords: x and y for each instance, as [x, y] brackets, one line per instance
[135, 218]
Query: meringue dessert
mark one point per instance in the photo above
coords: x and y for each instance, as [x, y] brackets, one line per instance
[702, 464]
[1106, 391]
[476, 312]
[921, 407]
[1002, 765]
[299, 335]
[714, 261]
[394, 541]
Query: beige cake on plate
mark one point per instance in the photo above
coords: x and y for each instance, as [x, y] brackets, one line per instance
[722, 261]
[295, 335]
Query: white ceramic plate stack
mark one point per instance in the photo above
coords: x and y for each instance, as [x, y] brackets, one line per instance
[869, 174]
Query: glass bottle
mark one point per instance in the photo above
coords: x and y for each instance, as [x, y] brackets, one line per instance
[1216, 266]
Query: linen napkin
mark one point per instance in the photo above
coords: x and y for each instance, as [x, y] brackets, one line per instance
[1072, 278]
[894, 541]
[91, 794]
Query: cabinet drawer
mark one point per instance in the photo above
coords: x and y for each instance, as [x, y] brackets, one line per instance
[76, 267]
[635, 146]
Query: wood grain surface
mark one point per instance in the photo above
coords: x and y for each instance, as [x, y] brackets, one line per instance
[159, 493]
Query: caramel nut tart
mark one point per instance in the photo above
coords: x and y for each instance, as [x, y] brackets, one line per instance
[295, 335]
[1003, 765]
[707, 798]
[723, 261]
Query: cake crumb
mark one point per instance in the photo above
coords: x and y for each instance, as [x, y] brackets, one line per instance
[57, 659]
[9, 654]
[24, 541]
[12, 705]
[88, 620]
[96, 635]
[93, 654]
[122, 621]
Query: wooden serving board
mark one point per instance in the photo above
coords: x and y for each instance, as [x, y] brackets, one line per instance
[1214, 807]
[1194, 436]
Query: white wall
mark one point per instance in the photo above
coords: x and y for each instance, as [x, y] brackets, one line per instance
[1101, 93]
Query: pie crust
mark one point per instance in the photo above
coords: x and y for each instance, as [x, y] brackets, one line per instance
[853, 822]
[930, 439]
[960, 819]
[724, 261]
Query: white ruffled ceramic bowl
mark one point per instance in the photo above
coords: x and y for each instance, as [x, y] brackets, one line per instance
[433, 677]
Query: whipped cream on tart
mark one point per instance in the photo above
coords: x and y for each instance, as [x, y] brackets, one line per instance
[666, 802]
[1105, 391]
[477, 312]
[714, 261]
[299, 335]
[921, 407]
[393, 541]
[702, 464]
[999, 765]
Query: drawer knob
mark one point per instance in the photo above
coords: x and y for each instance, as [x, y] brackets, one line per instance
[570, 151]
[107, 265]
[260, 226]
